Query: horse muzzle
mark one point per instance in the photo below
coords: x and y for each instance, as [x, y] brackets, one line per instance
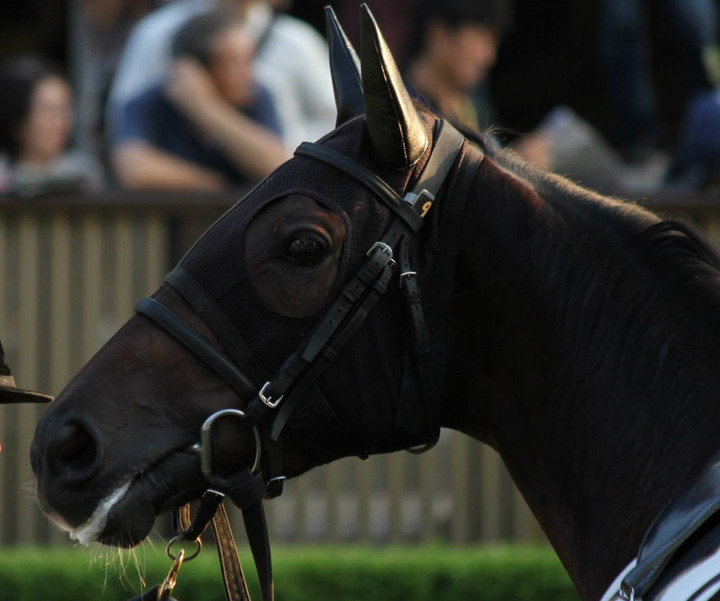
[103, 492]
[65, 454]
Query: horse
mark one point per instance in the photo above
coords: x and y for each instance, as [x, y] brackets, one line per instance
[396, 277]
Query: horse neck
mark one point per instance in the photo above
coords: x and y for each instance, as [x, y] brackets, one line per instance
[551, 366]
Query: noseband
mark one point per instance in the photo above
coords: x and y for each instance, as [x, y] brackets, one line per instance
[271, 404]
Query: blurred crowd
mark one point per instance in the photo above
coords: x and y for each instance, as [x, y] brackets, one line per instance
[214, 94]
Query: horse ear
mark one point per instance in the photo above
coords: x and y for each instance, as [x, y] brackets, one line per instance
[397, 134]
[345, 71]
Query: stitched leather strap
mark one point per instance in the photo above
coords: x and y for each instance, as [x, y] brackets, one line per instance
[673, 527]
[233, 577]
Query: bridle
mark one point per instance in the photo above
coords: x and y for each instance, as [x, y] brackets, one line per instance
[271, 404]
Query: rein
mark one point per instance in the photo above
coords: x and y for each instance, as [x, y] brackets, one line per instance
[272, 404]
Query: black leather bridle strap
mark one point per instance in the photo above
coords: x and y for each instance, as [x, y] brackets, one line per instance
[215, 319]
[413, 300]
[217, 360]
[453, 219]
[448, 142]
[342, 320]
[364, 176]
[338, 325]
[322, 345]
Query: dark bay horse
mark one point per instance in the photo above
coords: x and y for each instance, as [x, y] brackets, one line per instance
[575, 334]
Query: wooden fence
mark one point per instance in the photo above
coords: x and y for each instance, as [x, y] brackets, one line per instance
[71, 271]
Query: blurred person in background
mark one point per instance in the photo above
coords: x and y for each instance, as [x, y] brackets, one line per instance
[458, 42]
[457, 45]
[209, 125]
[98, 31]
[631, 34]
[399, 20]
[291, 61]
[36, 120]
[696, 160]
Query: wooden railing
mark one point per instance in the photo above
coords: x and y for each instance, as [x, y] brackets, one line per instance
[71, 270]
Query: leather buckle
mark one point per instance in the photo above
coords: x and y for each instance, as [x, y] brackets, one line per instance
[267, 400]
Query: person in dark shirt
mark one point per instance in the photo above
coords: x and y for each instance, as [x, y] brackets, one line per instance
[209, 125]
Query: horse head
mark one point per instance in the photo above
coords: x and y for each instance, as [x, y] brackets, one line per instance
[261, 289]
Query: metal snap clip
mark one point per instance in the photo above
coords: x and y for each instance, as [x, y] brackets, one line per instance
[167, 586]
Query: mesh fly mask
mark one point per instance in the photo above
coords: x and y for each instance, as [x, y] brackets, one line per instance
[213, 279]
[383, 392]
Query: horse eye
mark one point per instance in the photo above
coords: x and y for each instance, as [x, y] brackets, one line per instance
[307, 250]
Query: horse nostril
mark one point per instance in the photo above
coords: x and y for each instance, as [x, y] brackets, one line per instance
[78, 448]
[75, 452]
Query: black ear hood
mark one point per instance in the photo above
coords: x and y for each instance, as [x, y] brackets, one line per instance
[345, 71]
[397, 132]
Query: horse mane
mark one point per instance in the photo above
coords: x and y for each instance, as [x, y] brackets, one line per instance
[649, 280]
[678, 261]
[676, 248]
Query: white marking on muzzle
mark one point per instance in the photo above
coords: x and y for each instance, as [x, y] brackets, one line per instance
[90, 530]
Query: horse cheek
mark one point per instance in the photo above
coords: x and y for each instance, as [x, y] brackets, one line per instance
[292, 292]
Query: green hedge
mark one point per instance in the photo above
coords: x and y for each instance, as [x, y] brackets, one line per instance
[346, 573]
